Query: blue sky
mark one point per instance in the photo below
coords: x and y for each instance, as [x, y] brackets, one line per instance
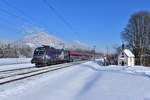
[98, 22]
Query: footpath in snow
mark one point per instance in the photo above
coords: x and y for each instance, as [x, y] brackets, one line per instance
[87, 81]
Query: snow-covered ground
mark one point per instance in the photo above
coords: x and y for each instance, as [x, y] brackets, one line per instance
[87, 81]
[15, 66]
[8, 61]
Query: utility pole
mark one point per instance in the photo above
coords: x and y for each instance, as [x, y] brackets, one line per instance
[104, 60]
[104, 57]
[63, 45]
[94, 47]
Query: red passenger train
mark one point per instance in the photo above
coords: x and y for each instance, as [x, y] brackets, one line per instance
[46, 55]
[80, 56]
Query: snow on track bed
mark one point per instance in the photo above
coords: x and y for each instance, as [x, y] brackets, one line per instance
[11, 61]
[21, 71]
[15, 66]
[7, 77]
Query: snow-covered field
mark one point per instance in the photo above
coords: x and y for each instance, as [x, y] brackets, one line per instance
[8, 61]
[87, 81]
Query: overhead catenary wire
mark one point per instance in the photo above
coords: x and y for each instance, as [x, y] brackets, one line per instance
[60, 17]
[19, 17]
[7, 23]
[29, 18]
[26, 18]
[14, 7]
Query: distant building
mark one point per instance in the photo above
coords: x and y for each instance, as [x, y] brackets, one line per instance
[126, 58]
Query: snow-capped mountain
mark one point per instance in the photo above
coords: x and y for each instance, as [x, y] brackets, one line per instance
[42, 38]
[78, 44]
[39, 39]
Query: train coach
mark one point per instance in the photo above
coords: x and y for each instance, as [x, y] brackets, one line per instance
[47, 55]
[75, 56]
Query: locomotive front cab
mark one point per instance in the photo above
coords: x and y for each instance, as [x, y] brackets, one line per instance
[39, 55]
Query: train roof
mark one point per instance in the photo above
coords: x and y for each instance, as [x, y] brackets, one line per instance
[79, 53]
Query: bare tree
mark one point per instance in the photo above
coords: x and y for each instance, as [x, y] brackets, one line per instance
[137, 34]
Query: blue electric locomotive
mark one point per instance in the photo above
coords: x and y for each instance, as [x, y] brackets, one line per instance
[46, 55]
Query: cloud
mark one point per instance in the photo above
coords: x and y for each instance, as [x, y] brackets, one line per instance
[31, 30]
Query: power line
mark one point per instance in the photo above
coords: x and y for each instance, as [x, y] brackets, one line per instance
[19, 17]
[12, 6]
[60, 17]
[29, 19]
[30, 22]
[6, 20]
[7, 24]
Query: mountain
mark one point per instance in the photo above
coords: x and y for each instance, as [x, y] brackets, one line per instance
[78, 44]
[42, 38]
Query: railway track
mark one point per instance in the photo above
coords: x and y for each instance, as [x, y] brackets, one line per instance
[19, 74]
[22, 71]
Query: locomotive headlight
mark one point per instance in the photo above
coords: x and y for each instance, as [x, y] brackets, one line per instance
[47, 57]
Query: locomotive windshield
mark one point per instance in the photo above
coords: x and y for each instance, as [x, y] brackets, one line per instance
[39, 51]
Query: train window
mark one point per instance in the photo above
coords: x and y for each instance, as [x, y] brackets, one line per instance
[39, 51]
[35, 53]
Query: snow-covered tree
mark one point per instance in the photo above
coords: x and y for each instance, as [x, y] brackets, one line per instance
[136, 34]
